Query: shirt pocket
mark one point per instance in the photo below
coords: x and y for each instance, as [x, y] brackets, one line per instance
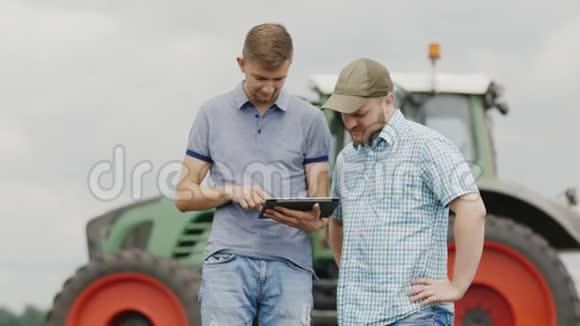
[399, 186]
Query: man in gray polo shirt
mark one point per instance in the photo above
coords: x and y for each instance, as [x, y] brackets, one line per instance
[257, 141]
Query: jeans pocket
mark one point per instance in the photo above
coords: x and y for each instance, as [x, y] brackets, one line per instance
[450, 319]
[298, 268]
[424, 317]
[200, 293]
[218, 258]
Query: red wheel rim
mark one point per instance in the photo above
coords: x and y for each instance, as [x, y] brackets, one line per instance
[482, 305]
[507, 290]
[110, 296]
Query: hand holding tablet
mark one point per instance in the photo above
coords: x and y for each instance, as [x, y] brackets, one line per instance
[326, 204]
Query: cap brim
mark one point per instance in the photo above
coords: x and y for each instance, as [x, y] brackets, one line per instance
[344, 103]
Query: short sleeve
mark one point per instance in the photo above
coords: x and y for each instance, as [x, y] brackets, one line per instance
[446, 172]
[198, 143]
[317, 143]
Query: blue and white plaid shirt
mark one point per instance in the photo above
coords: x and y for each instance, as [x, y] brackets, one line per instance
[394, 196]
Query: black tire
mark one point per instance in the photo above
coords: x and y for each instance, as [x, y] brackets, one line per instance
[537, 250]
[180, 279]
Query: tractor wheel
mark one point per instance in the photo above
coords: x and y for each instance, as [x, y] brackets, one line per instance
[520, 281]
[130, 288]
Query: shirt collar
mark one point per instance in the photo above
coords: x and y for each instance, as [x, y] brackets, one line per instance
[241, 99]
[389, 133]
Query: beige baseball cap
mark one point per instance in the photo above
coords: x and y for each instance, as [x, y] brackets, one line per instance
[358, 81]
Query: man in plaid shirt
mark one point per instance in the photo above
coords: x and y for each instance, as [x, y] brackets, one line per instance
[397, 182]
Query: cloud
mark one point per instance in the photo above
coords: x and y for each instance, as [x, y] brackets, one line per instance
[47, 54]
[59, 60]
[557, 61]
[14, 140]
[85, 82]
[42, 240]
[75, 84]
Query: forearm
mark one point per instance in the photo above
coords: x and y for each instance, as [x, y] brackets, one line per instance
[335, 239]
[193, 197]
[317, 179]
[321, 189]
[469, 232]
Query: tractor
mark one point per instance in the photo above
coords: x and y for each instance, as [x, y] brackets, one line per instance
[145, 259]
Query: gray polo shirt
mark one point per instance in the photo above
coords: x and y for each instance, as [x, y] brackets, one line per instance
[271, 151]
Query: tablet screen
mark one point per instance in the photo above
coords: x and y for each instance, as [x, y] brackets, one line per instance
[327, 204]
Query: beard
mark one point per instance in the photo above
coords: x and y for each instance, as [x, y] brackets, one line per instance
[365, 136]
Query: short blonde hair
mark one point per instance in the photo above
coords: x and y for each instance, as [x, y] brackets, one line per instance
[269, 45]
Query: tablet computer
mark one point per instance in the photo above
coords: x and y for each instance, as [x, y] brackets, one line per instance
[327, 204]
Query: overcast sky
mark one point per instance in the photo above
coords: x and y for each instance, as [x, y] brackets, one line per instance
[78, 78]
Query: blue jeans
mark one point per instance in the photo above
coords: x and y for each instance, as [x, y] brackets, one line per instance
[237, 289]
[430, 316]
